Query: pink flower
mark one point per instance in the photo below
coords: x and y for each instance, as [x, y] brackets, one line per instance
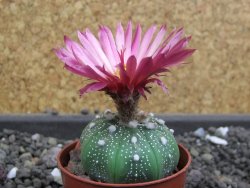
[124, 65]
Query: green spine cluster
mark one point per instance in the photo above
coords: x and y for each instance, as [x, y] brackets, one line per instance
[136, 152]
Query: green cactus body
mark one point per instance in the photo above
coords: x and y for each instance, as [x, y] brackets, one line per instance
[115, 153]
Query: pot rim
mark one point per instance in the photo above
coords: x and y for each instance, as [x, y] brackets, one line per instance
[65, 171]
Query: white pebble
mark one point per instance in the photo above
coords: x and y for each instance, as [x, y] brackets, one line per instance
[171, 130]
[161, 121]
[12, 173]
[97, 116]
[36, 137]
[150, 125]
[112, 128]
[57, 175]
[164, 140]
[101, 142]
[136, 157]
[91, 125]
[200, 132]
[133, 139]
[133, 124]
[222, 131]
[216, 140]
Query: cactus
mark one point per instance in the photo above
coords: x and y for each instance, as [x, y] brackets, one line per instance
[125, 148]
[114, 152]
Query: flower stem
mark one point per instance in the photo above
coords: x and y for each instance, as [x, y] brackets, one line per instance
[127, 108]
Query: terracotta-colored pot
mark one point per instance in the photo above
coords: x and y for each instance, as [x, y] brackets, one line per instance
[177, 180]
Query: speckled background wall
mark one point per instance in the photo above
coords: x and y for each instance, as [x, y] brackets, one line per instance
[33, 79]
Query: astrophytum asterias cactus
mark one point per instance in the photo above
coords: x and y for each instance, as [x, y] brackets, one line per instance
[126, 147]
[136, 152]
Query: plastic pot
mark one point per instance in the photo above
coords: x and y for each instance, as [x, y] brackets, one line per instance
[177, 180]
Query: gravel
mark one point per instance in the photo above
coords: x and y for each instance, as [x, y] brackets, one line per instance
[213, 166]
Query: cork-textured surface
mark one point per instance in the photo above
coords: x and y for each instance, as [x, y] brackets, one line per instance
[33, 79]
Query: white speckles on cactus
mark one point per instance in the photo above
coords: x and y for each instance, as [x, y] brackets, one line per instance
[91, 125]
[136, 157]
[171, 130]
[112, 128]
[129, 155]
[101, 142]
[164, 141]
[150, 125]
[151, 114]
[133, 139]
[133, 124]
[160, 121]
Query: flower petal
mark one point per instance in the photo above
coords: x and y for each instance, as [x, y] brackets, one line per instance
[112, 44]
[158, 82]
[131, 67]
[136, 41]
[128, 41]
[176, 58]
[145, 42]
[120, 38]
[106, 46]
[158, 39]
[95, 86]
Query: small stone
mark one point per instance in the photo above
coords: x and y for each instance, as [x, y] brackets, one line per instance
[207, 157]
[195, 178]
[21, 149]
[52, 141]
[49, 157]
[217, 172]
[84, 111]
[216, 140]
[2, 155]
[12, 173]
[27, 182]
[57, 175]
[243, 185]
[37, 183]
[200, 132]
[24, 173]
[20, 186]
[3, 174]
[36, 137]
[10, 185]
[25, 156]
[222, 131]
[12, 138]
[194, 152]
[50, 111]
[8, 131]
